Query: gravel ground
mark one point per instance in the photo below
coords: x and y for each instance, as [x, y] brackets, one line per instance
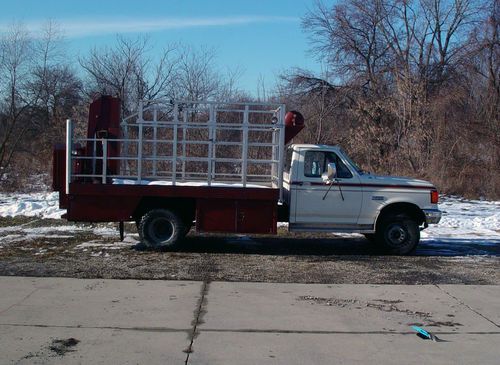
[43, 247]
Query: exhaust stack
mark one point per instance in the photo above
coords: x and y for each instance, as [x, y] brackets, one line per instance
[294, 123]
[104, 123]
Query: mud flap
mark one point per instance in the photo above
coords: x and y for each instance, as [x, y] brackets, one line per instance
[122, 234]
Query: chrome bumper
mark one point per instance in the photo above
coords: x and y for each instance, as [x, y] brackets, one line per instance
[432, 216]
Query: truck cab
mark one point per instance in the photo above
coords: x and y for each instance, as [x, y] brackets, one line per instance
[325, 191]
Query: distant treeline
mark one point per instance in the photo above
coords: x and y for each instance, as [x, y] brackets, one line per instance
[408, 87]
[40, 88]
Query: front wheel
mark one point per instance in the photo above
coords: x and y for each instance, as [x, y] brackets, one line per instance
[398, 235]
[161, 228]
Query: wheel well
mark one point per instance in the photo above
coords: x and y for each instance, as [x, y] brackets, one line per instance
[409, 209]
[185, 207]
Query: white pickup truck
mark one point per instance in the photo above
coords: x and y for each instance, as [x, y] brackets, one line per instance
[326, 191]
[226, 167]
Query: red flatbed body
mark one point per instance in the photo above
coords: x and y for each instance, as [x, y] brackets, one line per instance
[216, 209]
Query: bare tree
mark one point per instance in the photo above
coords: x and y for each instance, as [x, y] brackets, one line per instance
[53, 84]
[348, 36]
[15, 51]
[196, 78]
[416, 86]
[320, 100]
[228, 88]
[486, 64]
[38, 91]
[128, 71]
[261, 88]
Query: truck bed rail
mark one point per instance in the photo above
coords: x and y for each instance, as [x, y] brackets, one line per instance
[183, 141]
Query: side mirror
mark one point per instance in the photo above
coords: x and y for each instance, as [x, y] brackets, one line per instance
[331, 172]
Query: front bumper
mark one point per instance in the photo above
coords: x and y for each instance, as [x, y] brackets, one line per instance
[432, 216]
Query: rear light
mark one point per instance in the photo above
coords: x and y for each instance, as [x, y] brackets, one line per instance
[434, 197]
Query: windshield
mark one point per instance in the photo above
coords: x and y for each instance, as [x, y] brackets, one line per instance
[358, 169]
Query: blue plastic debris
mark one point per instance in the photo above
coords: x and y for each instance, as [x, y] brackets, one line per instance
[424, 334]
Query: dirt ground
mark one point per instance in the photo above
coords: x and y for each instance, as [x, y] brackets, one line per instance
[41, 247]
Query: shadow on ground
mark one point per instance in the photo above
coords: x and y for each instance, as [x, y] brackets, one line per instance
[355, 246]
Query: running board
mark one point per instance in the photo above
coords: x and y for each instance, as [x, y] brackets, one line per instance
[350, 228]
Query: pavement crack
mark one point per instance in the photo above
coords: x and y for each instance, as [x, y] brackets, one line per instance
[20, 301]
[466, 305]
[198, 318]
[334, 332]
[115, 328]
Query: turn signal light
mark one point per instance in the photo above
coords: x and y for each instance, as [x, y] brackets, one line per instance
[434, 197]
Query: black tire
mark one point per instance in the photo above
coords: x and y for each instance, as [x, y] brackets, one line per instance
[161, 228]
[398, 234]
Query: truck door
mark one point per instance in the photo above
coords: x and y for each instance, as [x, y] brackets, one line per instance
[310, 205]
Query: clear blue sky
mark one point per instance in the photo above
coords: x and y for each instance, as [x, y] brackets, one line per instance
[263, 37]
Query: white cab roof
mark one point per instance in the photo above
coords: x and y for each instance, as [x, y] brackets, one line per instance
[315, 146]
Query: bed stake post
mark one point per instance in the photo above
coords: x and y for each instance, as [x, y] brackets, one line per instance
[69, 150]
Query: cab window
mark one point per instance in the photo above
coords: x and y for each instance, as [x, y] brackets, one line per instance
[316, 162]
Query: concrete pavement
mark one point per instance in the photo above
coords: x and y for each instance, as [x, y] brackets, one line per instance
[77, 321]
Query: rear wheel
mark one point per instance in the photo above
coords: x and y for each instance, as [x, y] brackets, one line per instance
[161, 228]
[398, 234]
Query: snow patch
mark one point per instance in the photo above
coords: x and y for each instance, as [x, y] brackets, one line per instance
[44, 205]
[43, 230]
[187, 183]
[105, 231]
[466, 219]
